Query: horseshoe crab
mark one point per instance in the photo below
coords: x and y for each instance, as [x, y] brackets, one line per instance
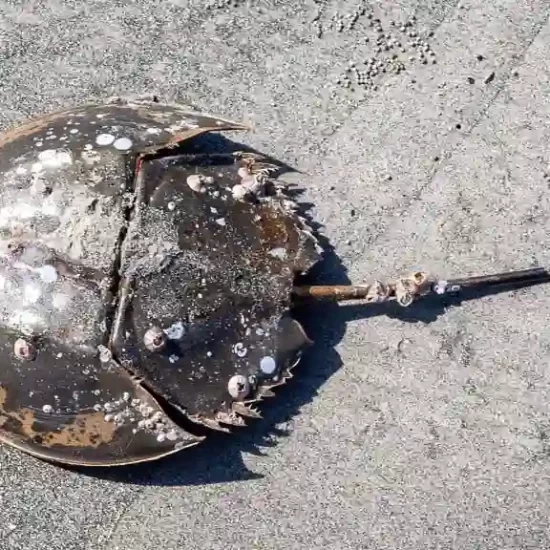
[143, 282]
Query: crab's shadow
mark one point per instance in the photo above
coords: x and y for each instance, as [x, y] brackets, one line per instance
[220, 457]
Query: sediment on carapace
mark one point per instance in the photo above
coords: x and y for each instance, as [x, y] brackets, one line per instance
[132, 173]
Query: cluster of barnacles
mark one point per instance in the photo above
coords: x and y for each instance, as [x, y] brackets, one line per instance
[255, 176]
[140, 414]
[238, 410]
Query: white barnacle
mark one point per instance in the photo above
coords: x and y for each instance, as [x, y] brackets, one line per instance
[221, 222]
[53, 158]
[31, 294]
[73, 131]
[239, 349]
[154, 131]
[175, 331]
[47, 273]
[122, 144]
[48, 409]
[146, 411]
[268, 365]
[198, 182]
[239, 191]
[104, 139]
[172, 435]
[238, 387]
[105, 354]
[441, 287]
[173, 358]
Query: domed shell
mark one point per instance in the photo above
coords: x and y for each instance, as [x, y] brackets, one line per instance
[124, 284]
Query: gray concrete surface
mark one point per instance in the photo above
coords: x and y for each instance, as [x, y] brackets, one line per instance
[420, 431]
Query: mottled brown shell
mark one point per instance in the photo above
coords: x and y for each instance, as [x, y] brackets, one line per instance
[123, 277]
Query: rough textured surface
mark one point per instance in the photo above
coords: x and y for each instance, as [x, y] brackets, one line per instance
[424, 431]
